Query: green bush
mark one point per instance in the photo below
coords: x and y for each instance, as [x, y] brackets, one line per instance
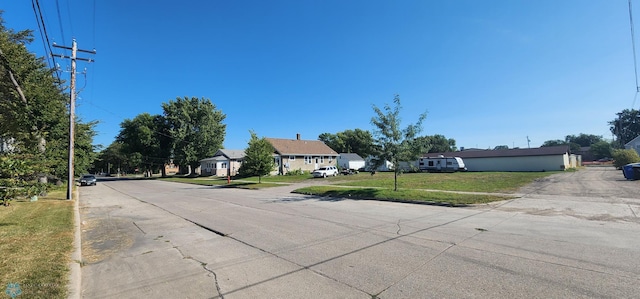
[623, 157]
[296, 172]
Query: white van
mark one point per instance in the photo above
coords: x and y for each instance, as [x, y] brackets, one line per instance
[441, 164]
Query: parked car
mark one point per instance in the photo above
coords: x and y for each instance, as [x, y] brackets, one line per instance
[325, 171]
[88, 180]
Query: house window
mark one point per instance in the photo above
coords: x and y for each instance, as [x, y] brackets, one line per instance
[307, 159]
[330, 159]
[321, 160]
[223, 165]
[292, 158]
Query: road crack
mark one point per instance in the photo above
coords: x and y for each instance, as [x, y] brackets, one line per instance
[204, 266]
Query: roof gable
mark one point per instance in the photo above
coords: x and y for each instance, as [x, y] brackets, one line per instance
[299, 147]
[633, 141]
[520, 152]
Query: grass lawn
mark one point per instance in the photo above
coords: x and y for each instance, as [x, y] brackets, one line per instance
[402, 195]
[503, 182]
[37, 240]
[244, 183]
[413, 187]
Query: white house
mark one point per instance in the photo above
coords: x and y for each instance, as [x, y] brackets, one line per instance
[528, 159]
[350, 161]
[634, 144]
[223, 163]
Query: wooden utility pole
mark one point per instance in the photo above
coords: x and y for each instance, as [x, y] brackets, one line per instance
[72, 109]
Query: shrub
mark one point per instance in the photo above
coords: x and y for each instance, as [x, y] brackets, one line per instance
[623, 157]
[296, 172]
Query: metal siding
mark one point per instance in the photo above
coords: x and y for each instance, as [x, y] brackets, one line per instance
[532, 163]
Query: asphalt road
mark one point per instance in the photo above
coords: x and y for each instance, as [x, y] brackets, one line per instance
[573, 235]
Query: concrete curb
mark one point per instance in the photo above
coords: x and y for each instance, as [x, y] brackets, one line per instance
[75, 274]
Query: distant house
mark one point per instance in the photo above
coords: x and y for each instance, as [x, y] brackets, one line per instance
[634, 144]
[224, 162]
[351, 161]
[170, 168]
[386, 166]
[527, 159]
[298, 154]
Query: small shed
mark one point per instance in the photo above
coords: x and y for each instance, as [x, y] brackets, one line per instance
[351, 161]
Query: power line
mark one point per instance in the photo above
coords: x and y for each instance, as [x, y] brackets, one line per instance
[633, 45]
[60, 20]
[43, 31]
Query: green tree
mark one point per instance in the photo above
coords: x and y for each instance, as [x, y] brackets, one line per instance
[196, 129]
[583, 139]
[258, 159]
[349, 141]
[601, 149]
[33, 110]
[574, 147]
[555, 142]
[625, 127]
[623, 157]
[437, 143]
[145, 141]
[112, 159]
[392, 143]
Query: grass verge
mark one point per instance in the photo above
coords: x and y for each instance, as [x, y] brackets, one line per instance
[37, 240]
[402, 195]
[249, 183]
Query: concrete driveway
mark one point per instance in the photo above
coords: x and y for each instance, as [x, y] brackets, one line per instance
[150, 239]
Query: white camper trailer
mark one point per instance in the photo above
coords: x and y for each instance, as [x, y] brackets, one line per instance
[441, 164]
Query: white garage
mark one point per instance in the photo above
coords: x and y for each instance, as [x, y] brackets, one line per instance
[529, 159]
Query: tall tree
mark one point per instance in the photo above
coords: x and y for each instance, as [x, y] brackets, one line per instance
[33, 107]
[349, 141]
[554, 142]
[258, 159]
[196, 128]
[393, 143]
[143, 138]
[601, 149]
[574, 147]
[626, 126]
[583, 139]
[437, 143]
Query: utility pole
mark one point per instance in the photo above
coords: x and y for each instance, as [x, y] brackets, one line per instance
[72, 108]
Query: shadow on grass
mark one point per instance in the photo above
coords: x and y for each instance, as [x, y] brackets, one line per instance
[367, 194]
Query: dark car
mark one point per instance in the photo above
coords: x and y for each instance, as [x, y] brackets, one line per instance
[88, 180]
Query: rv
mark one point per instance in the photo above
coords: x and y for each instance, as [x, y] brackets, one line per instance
[441, 164]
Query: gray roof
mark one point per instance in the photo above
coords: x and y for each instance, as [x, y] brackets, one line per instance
[231, 154]
[226, 154]
[351, 156]
[519, 152]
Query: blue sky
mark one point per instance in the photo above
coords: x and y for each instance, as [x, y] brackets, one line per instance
[487, 72]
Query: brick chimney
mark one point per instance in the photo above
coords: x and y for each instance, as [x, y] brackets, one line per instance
[298, 136]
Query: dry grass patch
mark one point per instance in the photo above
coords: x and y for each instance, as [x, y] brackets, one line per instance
[37, 240]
